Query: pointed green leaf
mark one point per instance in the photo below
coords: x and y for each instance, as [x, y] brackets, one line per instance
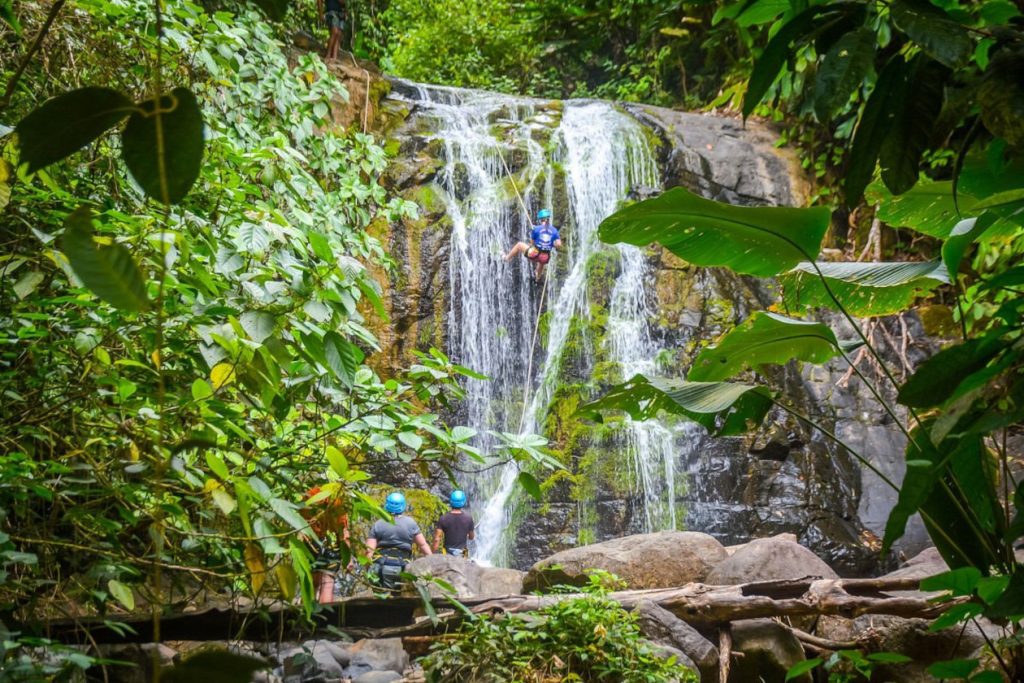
[289, 514]
[165, 160]
[108, 270]
[258, 325]
[801, 668]
[842, 70]
[65, 124]
[530, 485]
[873, 127]
[953, 668]
[725, 408]
[751, 240]
[935, 31]
[865, 289]
[343, 357]
[966, 233]
[337, 460]
[961, 581]
[912, 124]
[122, 593]
[927, 208]
[763, 339]
[937, 378]
[411, 439]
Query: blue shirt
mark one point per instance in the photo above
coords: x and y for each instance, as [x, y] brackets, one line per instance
[544, 237]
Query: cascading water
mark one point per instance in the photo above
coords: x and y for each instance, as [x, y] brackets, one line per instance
[495, 146]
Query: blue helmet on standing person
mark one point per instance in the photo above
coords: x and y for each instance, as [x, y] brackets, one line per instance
[458, 499]
[543, 213]
[395, 503]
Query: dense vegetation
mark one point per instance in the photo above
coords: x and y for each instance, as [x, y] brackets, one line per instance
[185, 327]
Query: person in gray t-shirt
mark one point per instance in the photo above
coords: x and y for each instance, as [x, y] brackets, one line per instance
[393, 542]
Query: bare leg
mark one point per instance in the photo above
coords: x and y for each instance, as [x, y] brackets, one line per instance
[519, 248]
[539, 272]
[332, 44]
[324, 587]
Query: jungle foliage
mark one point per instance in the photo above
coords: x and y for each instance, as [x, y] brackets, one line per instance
[948, 83]
[186, 314]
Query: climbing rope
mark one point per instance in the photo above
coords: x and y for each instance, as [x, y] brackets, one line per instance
[540, 304]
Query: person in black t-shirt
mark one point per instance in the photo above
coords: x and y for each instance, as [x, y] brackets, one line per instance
[334, 14]
[455, 528]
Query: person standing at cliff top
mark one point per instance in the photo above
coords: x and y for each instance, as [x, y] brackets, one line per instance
[455, 527]
[334, 14]
[545, 238]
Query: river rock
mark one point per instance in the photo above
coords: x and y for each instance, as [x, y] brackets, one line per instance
[661, 626]
[769, 650]
[659, 560]
[769, 559]
[469, 579]
[382, 654]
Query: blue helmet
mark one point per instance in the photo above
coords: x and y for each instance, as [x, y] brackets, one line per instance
[543, 213]
[457, 499]
[395, 504]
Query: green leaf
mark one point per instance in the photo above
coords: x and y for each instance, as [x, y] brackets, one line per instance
[961, 581]
[214, 665]
[342, 356]
[764, 338]
[889, 658]
[165, 160]
[937, 378]
[258, 325]
[842, 70]
[122, 593]
[289, 514]
[1014, 277]
[27, 283]
[864, 289]
[801, 668]
[201, 390]
[411, 439]
[223, 500]
[762, 11]
[966, 233]
[987, 677]
[873, 127]
[217, 466]
[530, 485]
[1009, 605]
[751, 240]
[66, 123]
[935, 31]
[953, 668]
[1002, 97]
[919, 104]
[725, 408]
[777, 52]
[108, 270]
[339, 463]
[955, 615]
[927, 208]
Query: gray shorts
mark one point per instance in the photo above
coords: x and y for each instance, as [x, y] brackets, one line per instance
[335, 19]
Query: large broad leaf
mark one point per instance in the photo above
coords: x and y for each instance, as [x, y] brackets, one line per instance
[108, 270]
[779, 50]
[163, 147]
[966, 233]
[873, 127]
[724, 408]
[863, 289]
[67, 123]
[763, 339]
[938, 377]
[949, 505]
[920, 102]
[752, 240]
[1002, 97]
[842, 70]
[342, 356]
[935, 31]
[927, 208]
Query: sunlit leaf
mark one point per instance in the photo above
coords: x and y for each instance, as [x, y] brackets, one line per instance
[221, 375]
[108, 270]
[122, 593]
[752, 240]
[953, 668]
[68, 122]
[530, 485]
[927, 208]
[163, 148]
[342, 356]
[863, 289]
[765, 338]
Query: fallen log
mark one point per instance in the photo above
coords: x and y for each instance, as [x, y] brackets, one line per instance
[695, 603]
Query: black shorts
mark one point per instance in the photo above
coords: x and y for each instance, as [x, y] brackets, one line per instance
[335, 19]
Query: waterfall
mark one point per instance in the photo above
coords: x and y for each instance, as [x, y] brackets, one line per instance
[601, 154]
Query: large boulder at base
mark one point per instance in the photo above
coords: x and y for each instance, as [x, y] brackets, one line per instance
[469, 579]
[769, 559]
[314, 658]
[769, 651]
[926, 563]
[910, 637]
[382, 654]
[731, 549]
[660, 626]
[660, 560]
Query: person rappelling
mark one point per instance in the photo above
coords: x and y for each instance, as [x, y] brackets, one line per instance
[544, 239]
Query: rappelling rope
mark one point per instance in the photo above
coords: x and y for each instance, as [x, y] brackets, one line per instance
[540, 304]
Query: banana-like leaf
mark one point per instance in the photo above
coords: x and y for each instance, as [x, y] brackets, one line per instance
[765, 339]
[863, 289]
[760, 241]
[724, 408]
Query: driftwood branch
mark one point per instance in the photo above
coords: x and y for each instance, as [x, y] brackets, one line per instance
[696, 603]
